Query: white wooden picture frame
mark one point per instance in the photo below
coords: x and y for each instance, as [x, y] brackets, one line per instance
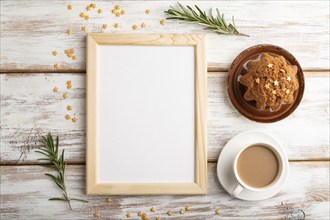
[146, 114]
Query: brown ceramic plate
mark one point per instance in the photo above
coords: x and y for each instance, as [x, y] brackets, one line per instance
[236, 90]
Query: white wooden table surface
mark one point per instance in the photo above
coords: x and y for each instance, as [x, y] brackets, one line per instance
[31, 30]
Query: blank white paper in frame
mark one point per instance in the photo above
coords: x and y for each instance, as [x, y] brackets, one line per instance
[143, 92]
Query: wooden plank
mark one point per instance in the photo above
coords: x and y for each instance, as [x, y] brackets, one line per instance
[29, 108]
[31, 30]
[25, 191]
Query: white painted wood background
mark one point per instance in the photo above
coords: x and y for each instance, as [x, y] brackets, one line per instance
[31, 30]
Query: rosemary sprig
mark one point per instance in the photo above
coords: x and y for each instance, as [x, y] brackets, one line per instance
[217, 23]
[50, 151]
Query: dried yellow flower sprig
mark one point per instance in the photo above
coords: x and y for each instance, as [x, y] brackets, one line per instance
[70, 53]
[117, 12]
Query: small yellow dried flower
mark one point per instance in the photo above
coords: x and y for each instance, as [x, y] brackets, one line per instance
[55, 53]
[86, 17]
[92, 5]
[118, 14]
[217, 212]
[100, 11]
[140, 213]
[56, 66]
[84, 28]
[69, 107]
[152, 209]
[88, 8]
[182, 211]
[97, 213]
[67, 117]
[169, 213]
[287, 91]
[82, 14]
[74, 57]
[117, 7]
[65, 95]
[70, 7]
[288, 78]
[148, 11]
[55, 89]
[267, 86]
[270, 65]
[105, 26]
[143, 25]
[122, 12]
[114, 11]
[158, 218]
[128, 215]
[72, 50]
[74, 119]
[69, 54]
[116, 25]
[69, 82]
[274, 92]
[188, 208]
[257, 80]
[69, 31]
[162, 22]
[276, 83]
[108, 200]
[69, 86]
[134, 27]
[144, 216]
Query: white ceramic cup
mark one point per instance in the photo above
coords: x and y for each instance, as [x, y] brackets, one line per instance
[241, 185]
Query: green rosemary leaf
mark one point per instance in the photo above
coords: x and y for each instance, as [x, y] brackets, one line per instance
[183, 8]
[216, 23]
[200, 11]
[45, 150]
[40, 152]
[62, 159]
[49, 143]
[224, 21]
[56, 180]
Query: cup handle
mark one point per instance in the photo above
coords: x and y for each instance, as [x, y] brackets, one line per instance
[238, 189]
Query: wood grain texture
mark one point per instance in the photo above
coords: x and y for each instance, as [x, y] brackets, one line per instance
[31, 30]
[25, 191]
[201, 115]
[92, 117]
[29, 108]
[147, 39]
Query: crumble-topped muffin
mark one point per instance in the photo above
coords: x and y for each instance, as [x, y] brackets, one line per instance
[270, 81]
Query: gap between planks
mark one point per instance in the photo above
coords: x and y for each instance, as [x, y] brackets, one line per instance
[74, 71]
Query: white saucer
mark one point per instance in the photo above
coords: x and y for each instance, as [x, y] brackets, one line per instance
[227, 156]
